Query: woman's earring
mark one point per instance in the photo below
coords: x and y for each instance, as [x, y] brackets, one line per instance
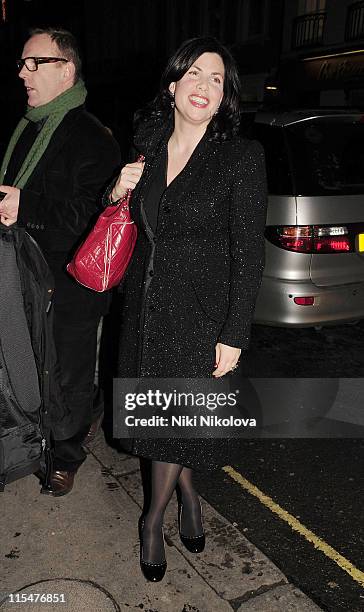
[172, 102]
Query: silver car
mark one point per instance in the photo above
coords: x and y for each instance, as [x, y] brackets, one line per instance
[314, 272]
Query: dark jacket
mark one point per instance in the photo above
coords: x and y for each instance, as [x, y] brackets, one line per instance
[38, 291]
[195, 281]
[62, 199]
[33, 408]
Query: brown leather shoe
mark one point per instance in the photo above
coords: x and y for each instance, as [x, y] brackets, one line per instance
[61, 483]
[94, 428]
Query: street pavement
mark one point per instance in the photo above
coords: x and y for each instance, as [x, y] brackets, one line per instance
[300, 501]
[84, 548]
[331, 352]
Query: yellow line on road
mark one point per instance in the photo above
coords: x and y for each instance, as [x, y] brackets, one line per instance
[318, 543]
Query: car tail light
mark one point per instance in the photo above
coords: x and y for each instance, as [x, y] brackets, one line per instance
[311, 238]
[331, 239]
[304, 301]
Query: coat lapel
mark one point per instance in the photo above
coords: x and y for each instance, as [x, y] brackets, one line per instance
[152, 159]
[193, 170]
[57, 141]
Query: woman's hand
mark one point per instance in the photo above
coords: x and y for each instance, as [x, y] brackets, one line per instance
[129, 177]
[226, 359]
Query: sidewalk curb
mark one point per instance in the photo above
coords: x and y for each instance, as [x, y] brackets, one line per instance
[239, 558]
[86, 544]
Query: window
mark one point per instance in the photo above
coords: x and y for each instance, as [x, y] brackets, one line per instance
[308, 27]
[355, 21]
[215, 12]
[328, 156]
[256, 17]
[311, 6]
[276, 158]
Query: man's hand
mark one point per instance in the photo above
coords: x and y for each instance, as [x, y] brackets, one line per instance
[9, 206]
[226, 359]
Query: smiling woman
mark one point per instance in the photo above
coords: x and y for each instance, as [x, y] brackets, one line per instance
[201, 88]
[197, 97]
[189, 292]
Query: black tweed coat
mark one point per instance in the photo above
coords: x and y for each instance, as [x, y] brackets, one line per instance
[194, 282]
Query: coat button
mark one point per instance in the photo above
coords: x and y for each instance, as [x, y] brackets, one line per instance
[37, 227]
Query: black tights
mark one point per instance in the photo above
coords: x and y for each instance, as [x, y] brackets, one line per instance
[165, 478]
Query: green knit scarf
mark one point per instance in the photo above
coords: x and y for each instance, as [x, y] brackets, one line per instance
[54, 111]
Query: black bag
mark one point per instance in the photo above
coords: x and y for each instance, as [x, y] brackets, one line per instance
[21, 441]
[24, 439]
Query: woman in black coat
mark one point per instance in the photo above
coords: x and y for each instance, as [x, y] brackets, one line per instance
[190, 289]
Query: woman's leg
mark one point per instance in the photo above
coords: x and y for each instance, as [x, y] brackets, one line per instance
[164, 479]
[191, 521]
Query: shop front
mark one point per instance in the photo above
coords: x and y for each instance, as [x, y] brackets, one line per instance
[332, 79]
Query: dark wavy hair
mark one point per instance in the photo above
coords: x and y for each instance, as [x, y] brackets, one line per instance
[225, 124]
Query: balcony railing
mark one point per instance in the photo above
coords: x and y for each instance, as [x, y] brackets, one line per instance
[308, 30]
[355, 21]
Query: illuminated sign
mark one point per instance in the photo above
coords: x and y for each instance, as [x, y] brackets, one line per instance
[340, 67]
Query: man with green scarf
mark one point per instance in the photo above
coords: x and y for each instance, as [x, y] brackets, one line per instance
[56, 166]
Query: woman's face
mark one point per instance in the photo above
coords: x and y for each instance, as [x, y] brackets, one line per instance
[198, 93]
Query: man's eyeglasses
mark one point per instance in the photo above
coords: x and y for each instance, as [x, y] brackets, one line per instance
[32, 63]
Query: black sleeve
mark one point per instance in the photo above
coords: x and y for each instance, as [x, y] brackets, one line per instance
[68, 203]
[132, 157]
[246, 227]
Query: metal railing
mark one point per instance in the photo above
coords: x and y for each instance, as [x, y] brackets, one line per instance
[308, 30]
[354, 29]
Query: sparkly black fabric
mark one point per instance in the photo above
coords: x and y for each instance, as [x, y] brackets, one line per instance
[194, 281]
[156, 189]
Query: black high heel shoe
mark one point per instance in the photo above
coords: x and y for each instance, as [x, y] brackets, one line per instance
[194, 544]
[154, 572]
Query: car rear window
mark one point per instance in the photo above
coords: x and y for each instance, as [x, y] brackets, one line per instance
[327, 155]
[279, 176]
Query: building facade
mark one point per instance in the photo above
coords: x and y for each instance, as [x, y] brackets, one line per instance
[289, 52]
[322, 59]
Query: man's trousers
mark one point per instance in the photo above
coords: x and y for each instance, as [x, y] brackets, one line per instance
[76, 343]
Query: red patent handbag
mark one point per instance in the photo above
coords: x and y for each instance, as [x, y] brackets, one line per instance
[101, 260]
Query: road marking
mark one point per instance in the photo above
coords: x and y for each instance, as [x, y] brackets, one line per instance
[296, 525]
